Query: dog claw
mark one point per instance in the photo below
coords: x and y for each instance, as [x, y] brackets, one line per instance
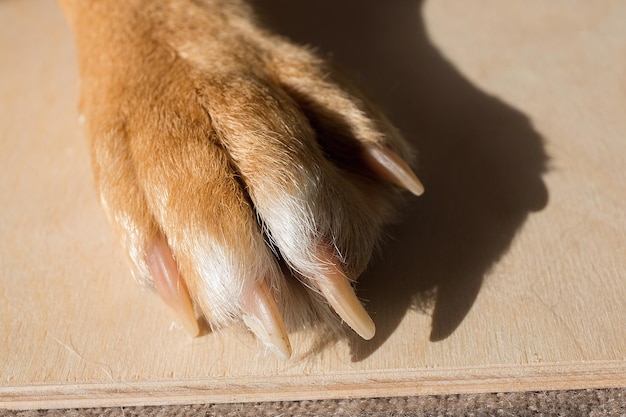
[390, 166]
[262, 317]
[170, 285]
[336, 288]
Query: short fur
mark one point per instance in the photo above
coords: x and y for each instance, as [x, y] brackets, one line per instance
[239, 147]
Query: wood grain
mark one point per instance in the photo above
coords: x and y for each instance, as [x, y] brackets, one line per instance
[509, 274]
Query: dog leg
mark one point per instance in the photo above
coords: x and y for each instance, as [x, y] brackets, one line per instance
[232, 165]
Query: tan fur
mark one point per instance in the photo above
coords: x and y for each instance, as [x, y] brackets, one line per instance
[230, 141]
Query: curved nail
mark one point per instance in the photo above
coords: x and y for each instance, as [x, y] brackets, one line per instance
[262, 317]
[390, 166]
[336, 288]
[170, 285]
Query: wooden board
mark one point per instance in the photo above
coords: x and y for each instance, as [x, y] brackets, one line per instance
[509, 273]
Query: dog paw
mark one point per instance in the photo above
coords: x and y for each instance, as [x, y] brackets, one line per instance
[244, 182]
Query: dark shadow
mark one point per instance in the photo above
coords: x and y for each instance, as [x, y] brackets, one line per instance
[480, 159]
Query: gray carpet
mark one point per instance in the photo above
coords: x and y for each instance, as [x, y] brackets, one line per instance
[609, 402]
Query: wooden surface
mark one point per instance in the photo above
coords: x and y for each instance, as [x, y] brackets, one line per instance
[509, 273]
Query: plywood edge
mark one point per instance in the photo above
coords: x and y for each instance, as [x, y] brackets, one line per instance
[409, 382]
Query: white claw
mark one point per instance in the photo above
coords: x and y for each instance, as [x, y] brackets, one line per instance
[262, 317]
[170, 286]
[390, 166]
[336, 288]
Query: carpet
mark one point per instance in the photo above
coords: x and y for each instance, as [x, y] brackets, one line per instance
[609, 402]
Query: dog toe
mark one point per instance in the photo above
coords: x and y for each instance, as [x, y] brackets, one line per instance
[323, 218]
